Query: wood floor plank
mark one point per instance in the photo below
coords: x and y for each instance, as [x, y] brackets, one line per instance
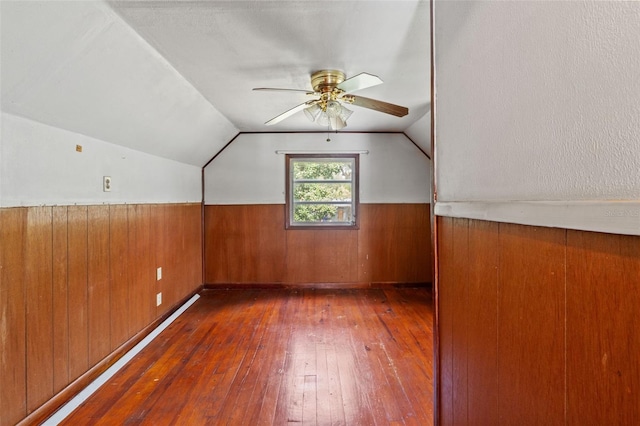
[285, 356]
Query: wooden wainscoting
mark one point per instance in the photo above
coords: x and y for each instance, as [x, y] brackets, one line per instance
[537, 325]
[249, 244]
[76, 282]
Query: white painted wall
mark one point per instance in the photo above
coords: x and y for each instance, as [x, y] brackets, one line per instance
[538, 101]
[76, 65]
[250, 171]
[39, 165]
[420, 132]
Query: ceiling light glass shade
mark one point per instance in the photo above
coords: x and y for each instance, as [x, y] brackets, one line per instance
[323, 119]
[312, 112]
[334, 108]
[337, 123]
[345, 114]
[333, 115]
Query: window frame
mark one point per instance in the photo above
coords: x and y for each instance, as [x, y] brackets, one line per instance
[355, 193]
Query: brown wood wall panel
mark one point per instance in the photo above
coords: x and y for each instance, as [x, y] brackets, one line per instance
[392, 242]
[216, 219]
[195, 219]
[60, 302]
[119, 275]
[321, 256]
[266, 235]
[460, 321]
[447, 299]
[531, 304]
[76, 282]
[13, 362]
[603, 329]
[482, 312]
[161, 234]
[39, 307]
[551, 325]
[336, 256]
[142, 268]
[78, 312]
[98, 288]
[248, 244]
[192, 267]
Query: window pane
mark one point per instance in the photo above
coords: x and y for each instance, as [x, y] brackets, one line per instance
[322, 191]
[322, 170]
[325, 213]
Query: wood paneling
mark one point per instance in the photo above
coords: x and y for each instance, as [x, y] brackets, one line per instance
[119, 301]
[531, 304]
[537, 325]
[249, 244]
[460, 321]
[39, 306]
[321, 256]
[13, 362]
[603, 323]
[143, 273]
[60, 301]
[161, 238]
[98, 286]
[447, 300]
[482, 314]
[392, 243]
[217, 220]
[78, 312]
[71, 292]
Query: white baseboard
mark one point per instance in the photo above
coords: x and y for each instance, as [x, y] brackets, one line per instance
[76, 401]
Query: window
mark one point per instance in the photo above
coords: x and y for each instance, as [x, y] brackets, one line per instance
[322, 191]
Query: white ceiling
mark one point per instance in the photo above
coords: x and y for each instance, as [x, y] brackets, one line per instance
[174, 78]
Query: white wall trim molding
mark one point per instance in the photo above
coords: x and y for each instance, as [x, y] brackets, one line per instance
[615, 217]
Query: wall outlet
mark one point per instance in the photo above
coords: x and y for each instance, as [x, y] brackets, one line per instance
[158, 299]
[106, 183]
[159, 274]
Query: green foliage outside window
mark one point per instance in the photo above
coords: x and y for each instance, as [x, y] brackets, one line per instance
[333, 190]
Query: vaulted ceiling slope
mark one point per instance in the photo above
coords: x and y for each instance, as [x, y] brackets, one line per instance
[174, 78]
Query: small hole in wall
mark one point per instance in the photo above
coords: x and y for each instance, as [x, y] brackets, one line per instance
[79, 148]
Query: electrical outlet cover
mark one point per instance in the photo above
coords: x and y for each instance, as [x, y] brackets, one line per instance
[106, 183]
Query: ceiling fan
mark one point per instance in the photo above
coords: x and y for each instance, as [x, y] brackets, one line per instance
[333, 91]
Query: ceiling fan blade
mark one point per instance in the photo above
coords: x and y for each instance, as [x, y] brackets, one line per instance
[359, 82]
[287, 114]
[387, 108]
[273, 89]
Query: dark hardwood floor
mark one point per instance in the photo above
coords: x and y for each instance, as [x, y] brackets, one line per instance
[263, 357]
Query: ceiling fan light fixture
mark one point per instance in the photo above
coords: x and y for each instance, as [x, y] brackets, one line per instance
[337, 123]
[323, 119]
[333, 108]
[345, 113]
[333, 91]
[312, 112]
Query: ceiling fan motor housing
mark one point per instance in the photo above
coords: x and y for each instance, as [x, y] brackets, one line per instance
[326, 80]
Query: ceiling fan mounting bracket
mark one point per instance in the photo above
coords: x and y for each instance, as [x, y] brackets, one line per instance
[326, 80]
